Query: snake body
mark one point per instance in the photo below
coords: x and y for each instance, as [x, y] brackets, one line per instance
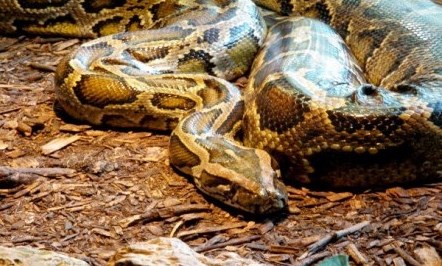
[328, 116]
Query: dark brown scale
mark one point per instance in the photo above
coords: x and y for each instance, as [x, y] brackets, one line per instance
[135, 23]
[232, 119]
[98, 27]
[88, 91]
[172, 102]
[148, 54]
[95, 6]
[153, 122]
[63, 71]
[41, 4]
[211, 94]
[200, 58]
[183, 157]
[287, 109]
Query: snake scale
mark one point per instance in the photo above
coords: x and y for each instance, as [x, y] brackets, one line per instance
[354, 100]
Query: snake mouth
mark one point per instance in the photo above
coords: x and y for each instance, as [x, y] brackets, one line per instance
[251, 197]
[266, 201]
[270, 201]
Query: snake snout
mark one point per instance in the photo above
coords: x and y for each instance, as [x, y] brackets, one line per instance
[273, 200]
[268, 200]
[266, 193]
[252, 184]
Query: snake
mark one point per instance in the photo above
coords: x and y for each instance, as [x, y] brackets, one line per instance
[340, 94]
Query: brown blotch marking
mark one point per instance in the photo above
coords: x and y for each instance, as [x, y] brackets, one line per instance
[279, 109]
[172, 102]
[96, 91]
[94, 6]
[50, 27]
[233, 117]
[286, 7]
[212, 94]
[391, 59]
[180, 155]
[68, 19]
[366, 42]
[108, 26]
[164, 9]
[149, 53]
[117, 121]
[134, 24]
[323, 12]
[196, 61]
[348, 122]
[370, 170]
[159, 122]
[343, 24]
[63, 71]
[41, 4]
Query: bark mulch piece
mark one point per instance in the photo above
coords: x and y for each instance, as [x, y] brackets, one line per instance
[87, 191]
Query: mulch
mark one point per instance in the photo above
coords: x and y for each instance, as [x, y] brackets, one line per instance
[87, 191]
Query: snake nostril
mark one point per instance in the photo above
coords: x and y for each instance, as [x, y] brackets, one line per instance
[369, 90]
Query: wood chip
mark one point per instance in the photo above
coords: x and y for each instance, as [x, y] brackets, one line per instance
[74, 128]
[3, 145]
[336, 235]
[47, 172]
[407, 257]
[43, 67]
[66, 44]
[213, 229]
[356, 255]
[266, 227]
[102, 232]
[235, 241]
[58, 143]
[339, 196]
[27, 189]
[284, 249]
[428, 255]
[398, 261]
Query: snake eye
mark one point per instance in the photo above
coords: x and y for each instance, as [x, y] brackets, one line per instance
[275, 165]
[406, 89]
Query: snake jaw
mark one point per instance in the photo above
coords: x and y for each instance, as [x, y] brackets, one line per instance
[255, 198]
[272, 199]
[251, 184]
[273, 195]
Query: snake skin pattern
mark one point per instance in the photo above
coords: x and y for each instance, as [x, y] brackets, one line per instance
[360, 105]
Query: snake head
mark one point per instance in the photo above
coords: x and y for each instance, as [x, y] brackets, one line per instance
[244, 178]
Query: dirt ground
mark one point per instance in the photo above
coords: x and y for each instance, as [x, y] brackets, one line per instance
[85, 191]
